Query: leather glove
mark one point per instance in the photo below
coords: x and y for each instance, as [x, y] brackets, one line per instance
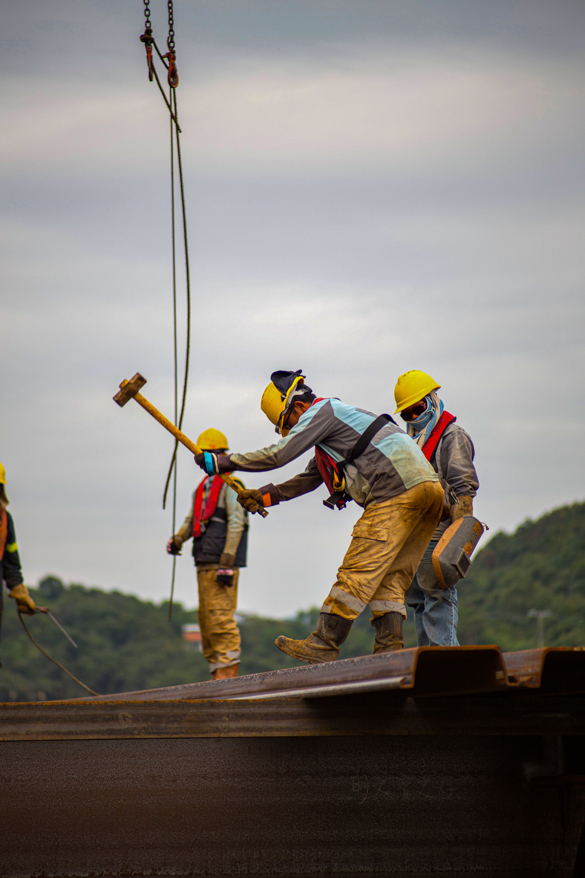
[464, 506]
[251, 499]
[214, 464]
[227, 560]
[174, 545]
[24, 602]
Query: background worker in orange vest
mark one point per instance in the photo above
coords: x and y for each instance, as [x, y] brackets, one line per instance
[10, 571]
[450, 451]
[219, 527]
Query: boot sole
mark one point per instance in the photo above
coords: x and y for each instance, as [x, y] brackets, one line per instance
[281, 643]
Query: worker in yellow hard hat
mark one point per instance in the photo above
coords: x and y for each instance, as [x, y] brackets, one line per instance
[219, 528]
[10, 569]
[450, 451]
[359, 456]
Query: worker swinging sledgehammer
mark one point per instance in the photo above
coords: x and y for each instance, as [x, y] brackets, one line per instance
[359, 457]
[219, 527]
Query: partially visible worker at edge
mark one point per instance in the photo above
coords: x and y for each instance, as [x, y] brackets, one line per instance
[219, 527]
[388, 476]
[450, 451]
[10, 570]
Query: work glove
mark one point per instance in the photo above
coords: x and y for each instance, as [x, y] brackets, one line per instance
[225, 576]
[24, 602]
[251, 499]
[174, 545]
[464, 506]
[214, 464]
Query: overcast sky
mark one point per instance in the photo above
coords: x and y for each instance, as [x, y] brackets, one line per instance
[372, 186]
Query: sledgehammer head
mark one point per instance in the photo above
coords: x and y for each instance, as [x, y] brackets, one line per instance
[129, 389]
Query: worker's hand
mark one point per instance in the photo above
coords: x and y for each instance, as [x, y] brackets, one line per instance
[251, 499]
[214, 464]
[464, 506]
[225, 576]
[174, 545]
[24, 602]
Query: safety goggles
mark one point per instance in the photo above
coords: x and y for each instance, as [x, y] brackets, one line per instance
[414, 411]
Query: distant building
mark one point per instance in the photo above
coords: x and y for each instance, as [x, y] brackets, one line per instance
[191, 634]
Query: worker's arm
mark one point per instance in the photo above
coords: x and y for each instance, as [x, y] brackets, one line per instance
[313, 427]
[184, 533]
[236, 522]
[303, 483]
[254, 499]
[458, 470]
[11, 568]
[12, 573]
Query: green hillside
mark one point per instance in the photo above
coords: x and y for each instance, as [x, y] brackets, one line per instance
[126, 643]
[539, 567]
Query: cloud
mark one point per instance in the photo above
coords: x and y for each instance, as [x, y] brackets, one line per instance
[367, 193]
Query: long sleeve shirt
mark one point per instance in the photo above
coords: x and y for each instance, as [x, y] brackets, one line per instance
[391, 464]
[10, 569]
[453, 460]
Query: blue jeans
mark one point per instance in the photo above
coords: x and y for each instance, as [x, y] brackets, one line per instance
[435, 608]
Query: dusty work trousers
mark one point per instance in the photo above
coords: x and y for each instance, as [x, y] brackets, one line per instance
[387, 545]
[220, 635]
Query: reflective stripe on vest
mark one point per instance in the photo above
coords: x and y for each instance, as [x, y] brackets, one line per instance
[202, 513]
[430, 445]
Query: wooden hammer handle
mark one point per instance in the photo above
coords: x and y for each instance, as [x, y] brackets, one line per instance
[184, 440]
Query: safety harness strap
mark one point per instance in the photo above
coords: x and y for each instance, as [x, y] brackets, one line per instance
[333, 473]
[430, 445]
[203, 513]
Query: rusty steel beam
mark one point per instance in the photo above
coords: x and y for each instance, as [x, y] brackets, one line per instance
[227, 807]
[553, 669]
[508, 713]
[422, 671]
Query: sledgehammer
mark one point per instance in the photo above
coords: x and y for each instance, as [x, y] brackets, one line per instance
[130, 390]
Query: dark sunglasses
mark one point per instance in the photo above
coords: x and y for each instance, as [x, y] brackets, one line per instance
[414, 411]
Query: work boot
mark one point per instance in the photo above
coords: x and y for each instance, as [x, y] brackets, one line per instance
[320, 646]
[225, 673]
[388, 632]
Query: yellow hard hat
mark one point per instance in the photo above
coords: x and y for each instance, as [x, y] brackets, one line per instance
[212, 440]
[275, 399]
[412, 387]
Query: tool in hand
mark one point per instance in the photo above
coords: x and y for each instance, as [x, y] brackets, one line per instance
[130, 390]
[46, 654]
[50, 615]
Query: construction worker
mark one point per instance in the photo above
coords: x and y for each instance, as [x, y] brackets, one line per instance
[450, 451]
[219, 527]
[10, 570]
[358, 456]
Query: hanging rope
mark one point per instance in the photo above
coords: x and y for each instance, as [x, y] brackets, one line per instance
[55, 662]
[169, 62]
[175, 352]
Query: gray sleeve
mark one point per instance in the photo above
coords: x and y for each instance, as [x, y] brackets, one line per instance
[186, 529]
[311, 428]
[456, 462]
[300, 484]
[236, 522]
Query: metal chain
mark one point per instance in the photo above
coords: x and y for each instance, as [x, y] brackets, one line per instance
[171, 36]
[147, 14]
